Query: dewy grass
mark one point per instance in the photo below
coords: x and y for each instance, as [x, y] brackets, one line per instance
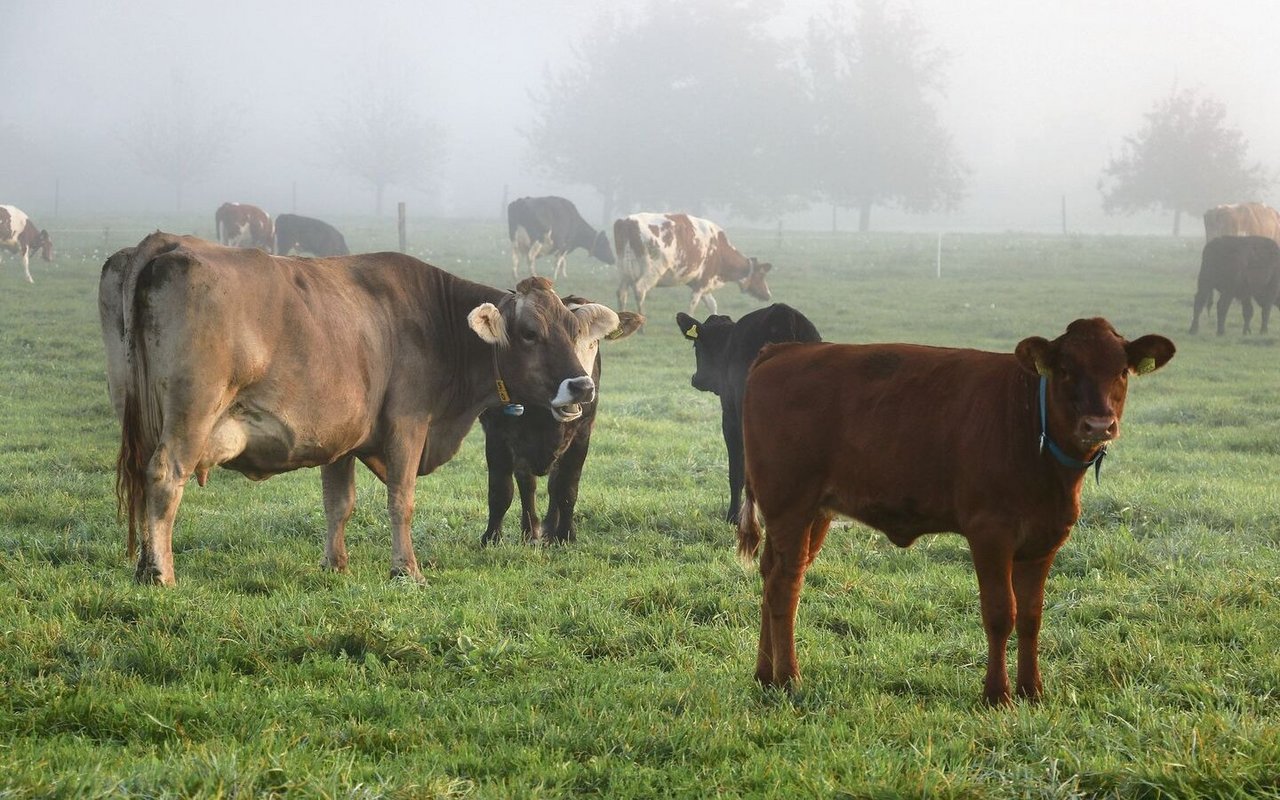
[622, 666]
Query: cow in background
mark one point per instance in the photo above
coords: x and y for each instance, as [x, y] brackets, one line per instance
[18, 234]
[677, 249]
[913, 440]
[1242, 219]
[554, 226]
[1243, 267]
[376, 358]
[535, 443]
[308, 235]
[243, 225]
[723, 351]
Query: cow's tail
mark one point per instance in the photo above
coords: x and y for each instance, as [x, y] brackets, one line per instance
[141, 420]
[748, 530]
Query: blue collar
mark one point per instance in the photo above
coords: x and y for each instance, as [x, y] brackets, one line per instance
[1057, 452]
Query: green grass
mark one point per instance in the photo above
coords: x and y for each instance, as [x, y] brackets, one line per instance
[622, 666]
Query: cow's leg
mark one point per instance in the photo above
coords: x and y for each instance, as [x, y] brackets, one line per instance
[26, 264]
[515, 260]
[338, 485]
[707, 299]
[165, 480]
[401, 479]
[1246, 309]
[562, 488]
[1224, 304]
[530, 529]
[534, 250]
[994, 564]
[731, 428]
[788, 539]
[562, 269]
[1028, 586]
[1266, 314]
[500, 463]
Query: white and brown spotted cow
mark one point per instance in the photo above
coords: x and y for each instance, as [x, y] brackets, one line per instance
[243, 225]
[677, 249]
[18, 234]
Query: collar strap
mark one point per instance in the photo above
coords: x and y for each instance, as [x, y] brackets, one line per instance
[509, 408]
[1057, 452]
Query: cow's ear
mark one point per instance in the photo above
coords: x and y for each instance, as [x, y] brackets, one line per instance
[1149, 353]
[486, 320]
[688, 325]
[1034, 354]
[628, 323]
[599, 320]
[762, 267]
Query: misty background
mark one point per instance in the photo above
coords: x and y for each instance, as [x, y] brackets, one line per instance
[1039, 95]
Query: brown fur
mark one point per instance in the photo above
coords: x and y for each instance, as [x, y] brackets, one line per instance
[912, 440]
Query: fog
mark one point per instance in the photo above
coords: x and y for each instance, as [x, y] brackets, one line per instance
[1040, 94]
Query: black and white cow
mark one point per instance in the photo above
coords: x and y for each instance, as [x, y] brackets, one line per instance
[724, 350]
[551, 225]
[308, 235]
[536, 443]
[18, 234]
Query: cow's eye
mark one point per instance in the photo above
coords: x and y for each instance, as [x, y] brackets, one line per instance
[529, 336]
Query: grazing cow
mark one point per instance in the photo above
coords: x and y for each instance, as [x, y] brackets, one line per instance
[1244, 267]
[677, 249]
[724, 350]
[308, 235]
[18, 234]
[551, 225]
[912, 440]
[535, 443]
[243, 225]
[1242, 219]
[378, 358]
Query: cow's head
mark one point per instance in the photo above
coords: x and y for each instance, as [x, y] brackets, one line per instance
[536, 339]
[589, 348]
[600, 249]
[754, 284]
[710, 341]
[1087, 370]
[45, 242]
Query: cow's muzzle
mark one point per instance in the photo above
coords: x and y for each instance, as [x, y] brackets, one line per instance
[567, 404]
[1096, 430]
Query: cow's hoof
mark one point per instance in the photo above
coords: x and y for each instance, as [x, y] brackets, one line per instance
[149, 575]
[408, 576]
[334, 566]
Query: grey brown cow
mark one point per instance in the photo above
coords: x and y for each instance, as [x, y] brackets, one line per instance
[1244, 268]
[377, 358]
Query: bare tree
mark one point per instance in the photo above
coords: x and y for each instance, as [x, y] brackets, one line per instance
[180, 140]
[380, 138]
[1184, 158]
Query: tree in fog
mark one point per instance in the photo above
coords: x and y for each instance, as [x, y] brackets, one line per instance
[1183, 158]
[874, 137]
[682, 109]
[380, 138]
[180, 140]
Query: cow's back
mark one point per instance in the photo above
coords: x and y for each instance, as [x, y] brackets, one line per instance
[906, 438]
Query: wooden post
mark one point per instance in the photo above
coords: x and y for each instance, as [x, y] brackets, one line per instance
[400, 225]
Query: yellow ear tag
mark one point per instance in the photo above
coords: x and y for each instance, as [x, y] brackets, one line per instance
[614, 334]
[1043, 371]
[1145, 365]
[692, 333]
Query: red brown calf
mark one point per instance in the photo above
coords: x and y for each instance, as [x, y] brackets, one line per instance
[912, 440]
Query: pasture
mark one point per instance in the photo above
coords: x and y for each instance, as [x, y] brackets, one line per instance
[622, 666]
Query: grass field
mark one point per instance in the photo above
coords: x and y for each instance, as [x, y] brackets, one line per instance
[622, 666]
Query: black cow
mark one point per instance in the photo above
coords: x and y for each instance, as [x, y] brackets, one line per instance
[535, 443]
[1244, 267]
[724, 350]
[308, 235]
[551, 225]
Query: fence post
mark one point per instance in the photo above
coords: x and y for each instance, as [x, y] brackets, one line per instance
[400, 225]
